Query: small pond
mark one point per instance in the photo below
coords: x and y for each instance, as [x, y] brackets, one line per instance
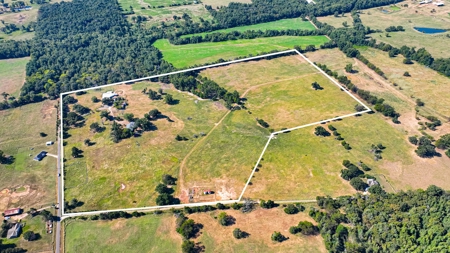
[428, 30]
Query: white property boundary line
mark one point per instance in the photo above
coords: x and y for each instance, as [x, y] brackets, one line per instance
[61, 201]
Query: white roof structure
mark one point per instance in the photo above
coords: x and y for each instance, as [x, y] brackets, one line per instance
[109, 94]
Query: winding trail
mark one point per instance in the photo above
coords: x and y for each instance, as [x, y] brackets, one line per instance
[183, 163]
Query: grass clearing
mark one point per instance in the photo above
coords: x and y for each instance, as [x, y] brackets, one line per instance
[19, 137]
[182, 56]
[260, 224]
[337, 21]
[12, 75]
[125, 174]
[149, 233]
[283, 24]
[412, 16]
[217, 3]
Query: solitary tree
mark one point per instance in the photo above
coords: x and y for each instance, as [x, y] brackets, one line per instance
[406, 74]
[320, 131]
[316, 86]
[75, 152]
[95, 127]
[238, 233]
[168, 99]
[278, 237]
[349, 68]
[29, 236]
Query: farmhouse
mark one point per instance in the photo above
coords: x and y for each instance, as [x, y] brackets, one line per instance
[109, 94]
[40, 156]
[11, 212]
[14, 232]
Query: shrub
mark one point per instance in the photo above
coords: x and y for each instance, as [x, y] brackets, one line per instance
[238, 233]
[168, 179]
[94, 99]
[320, 131]
[236, 206]
[221, 206]
[187, 229]
[447, 153]
[419, 102]
[223, 219]
[406, 74]
[307, 228]
[188, 247]
[332, 128]
[29, 236]
[291, 209]
[413, 140]
[267, 205]
[277, 237]
[294, 230]
[358, 184]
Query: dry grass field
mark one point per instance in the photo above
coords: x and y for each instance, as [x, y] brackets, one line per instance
[260, 224]
[12, 75]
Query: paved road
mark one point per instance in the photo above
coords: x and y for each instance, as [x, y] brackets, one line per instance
[59, 200]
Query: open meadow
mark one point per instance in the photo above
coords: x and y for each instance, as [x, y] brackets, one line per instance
[299, 165]
[280, 91]
[164, 13]
[12, 75]
[414, 15]
[283, 24]
[424, 83]
[183, 56]
[217, 3]
[27, 183]
[150, 233]
[125, 174]
[131, 235]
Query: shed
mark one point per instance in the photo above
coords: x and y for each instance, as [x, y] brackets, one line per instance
[131, 126]
[11, 212]
[109, 94]
[40, 156]
[372, 182]
[14, 232]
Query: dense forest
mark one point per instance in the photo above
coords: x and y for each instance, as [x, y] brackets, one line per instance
[74, 50]
[412, 221]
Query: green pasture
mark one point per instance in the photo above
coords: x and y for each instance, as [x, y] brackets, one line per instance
[12, 75]
[150, 233]
[283, 24]
[300, 165]
[183, 56]
[138, 163]
[229, 152]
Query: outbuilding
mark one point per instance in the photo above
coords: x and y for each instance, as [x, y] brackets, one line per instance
[14, 232]
[11, 212]
[109, 94]
[40, 156]
[49, 143]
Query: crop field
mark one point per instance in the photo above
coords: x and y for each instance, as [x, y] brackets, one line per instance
[150, 233]
[260, 224]
[37, 225]
[424, 83]
[125, 174]
[183, 56]
[283, 24]
[300, 165]
[408, 18]
[27, 183]
[12, 75]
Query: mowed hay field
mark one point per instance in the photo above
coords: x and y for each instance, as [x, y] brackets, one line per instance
[424, 83]
[407, 17]
[283, 24]
[12, 75]
[149, 233]
[125, 174]
[260, 224]
[299, 165]
[279, 91]
[182, 56]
